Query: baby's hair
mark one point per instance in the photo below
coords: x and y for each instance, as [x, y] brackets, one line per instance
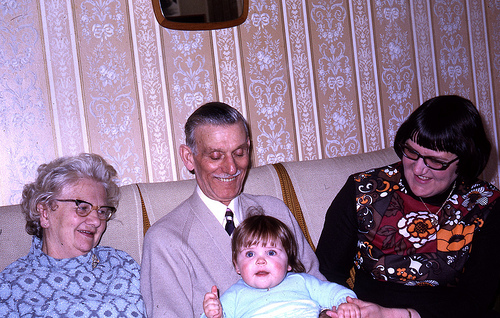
[266, 230]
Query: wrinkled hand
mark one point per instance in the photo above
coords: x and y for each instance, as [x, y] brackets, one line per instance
[371, 310]
[211, 304]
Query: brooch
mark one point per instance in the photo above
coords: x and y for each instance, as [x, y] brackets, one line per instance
[95, 261]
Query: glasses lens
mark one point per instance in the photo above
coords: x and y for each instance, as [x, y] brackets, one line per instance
[429, 162]
[105, 212]
[409, 153]
[434, 164]
[84, 208]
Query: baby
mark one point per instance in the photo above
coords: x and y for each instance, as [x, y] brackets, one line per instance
[273, 282]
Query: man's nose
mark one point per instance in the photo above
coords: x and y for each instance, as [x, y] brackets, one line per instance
[230, 165]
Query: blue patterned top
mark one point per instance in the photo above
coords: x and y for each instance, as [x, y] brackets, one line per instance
[102, 283]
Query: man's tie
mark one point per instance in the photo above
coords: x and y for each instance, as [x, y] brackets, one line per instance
[229, 221]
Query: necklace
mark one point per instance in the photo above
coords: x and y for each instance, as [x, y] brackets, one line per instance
[434, 216]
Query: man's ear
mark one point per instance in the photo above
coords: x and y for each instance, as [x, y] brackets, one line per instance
[187, 157]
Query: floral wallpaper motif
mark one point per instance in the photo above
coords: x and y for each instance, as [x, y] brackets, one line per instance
[454, 56]
[229, 72]
[397, 64]
[493, 36]
[334, 65]
[151, 87]
[25, 118]
[366, 69]
[300, 74]
[109, 86]
[268, 88]
[65, 93]
[423, 39]
[314, 78]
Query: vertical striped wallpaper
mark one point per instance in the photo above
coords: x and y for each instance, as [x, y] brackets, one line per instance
[315, 79]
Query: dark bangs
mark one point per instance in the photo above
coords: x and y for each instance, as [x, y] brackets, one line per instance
[452, 124]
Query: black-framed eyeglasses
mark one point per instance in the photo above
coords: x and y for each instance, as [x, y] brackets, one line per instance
[83, 208]
[431, 162]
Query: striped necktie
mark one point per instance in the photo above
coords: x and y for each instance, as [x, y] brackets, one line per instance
[229, 221]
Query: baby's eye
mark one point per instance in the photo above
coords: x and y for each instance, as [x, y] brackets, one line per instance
[249, 254]
[272, 253]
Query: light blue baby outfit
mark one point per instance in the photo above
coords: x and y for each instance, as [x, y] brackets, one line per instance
[298, 295]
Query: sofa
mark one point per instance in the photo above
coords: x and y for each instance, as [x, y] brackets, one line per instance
[307, 187]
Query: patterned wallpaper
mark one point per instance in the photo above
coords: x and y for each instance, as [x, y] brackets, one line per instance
[315, 78]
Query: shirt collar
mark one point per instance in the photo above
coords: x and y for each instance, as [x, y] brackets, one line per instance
[218, 209]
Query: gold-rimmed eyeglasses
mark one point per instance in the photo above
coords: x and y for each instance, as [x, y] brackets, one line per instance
[431, 162]
[83, 208]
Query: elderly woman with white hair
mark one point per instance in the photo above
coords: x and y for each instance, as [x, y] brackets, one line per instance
[66, 273]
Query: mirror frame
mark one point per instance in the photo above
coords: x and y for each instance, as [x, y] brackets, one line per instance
[164, 22]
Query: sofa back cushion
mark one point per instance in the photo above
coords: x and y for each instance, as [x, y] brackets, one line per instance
[125, 230]
[317, 182]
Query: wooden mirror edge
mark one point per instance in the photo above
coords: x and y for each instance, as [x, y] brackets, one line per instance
[164, 22]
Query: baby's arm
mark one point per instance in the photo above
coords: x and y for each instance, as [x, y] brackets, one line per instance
[211, 304]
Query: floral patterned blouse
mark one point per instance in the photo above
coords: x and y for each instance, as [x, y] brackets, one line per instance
[402, 240]
[438, 255]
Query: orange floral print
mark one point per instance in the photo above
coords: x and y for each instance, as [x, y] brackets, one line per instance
[455, 239]
[417, 228]
[404, 275]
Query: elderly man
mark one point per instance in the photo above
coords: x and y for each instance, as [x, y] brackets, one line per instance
[189, 250]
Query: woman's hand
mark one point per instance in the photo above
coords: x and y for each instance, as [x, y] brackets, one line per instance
[371, 310]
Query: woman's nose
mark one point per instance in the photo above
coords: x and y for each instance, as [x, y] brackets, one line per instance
[419, 166]
[93, 218]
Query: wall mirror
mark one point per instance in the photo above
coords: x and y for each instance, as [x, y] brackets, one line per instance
[200, 14]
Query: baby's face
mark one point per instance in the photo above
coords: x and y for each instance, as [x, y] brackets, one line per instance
[262, 266]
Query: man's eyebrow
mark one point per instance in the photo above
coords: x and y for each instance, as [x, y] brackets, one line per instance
[243, 145]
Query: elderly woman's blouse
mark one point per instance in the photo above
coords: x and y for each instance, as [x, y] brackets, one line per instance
[429, 256]
[102, 283]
